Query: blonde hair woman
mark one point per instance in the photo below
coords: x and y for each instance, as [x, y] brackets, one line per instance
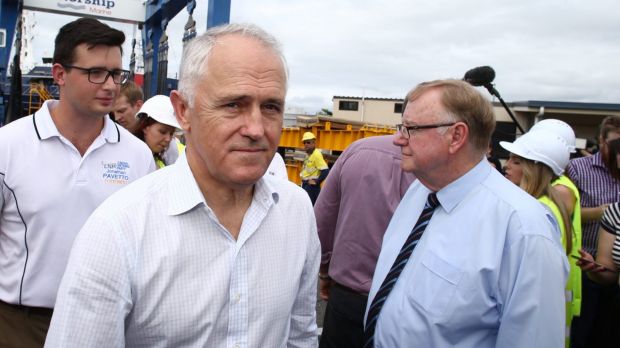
[537, 159]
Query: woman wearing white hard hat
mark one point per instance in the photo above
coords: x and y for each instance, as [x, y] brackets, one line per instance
[536, 160]
[566, 188]
[560, 128]
[156, 126]
[569, 193]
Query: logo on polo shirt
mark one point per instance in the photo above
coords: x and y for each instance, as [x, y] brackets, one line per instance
[115, 172]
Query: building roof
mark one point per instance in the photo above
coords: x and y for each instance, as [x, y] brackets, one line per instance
[366, 98]
[566, 105]
[524, 103]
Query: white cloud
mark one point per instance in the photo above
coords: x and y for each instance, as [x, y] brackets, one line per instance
[562, 50]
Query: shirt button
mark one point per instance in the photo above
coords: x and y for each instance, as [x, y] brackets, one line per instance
[237, 345]
[236, 298]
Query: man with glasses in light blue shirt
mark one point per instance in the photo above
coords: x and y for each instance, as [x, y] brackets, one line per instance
[483, 264]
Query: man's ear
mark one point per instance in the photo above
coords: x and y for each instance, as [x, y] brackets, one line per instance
[181, 110]
[59, 74]
[459, 137]
[139, 103]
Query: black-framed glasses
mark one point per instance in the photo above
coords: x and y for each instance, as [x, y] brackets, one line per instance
[100, 76]
[406, 130]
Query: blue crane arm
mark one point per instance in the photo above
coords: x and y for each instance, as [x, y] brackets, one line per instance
[158, 15]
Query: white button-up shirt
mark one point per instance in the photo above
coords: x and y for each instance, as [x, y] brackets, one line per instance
[153, 267]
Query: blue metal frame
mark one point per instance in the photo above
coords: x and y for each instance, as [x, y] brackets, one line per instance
[10, 10]
[218, 13]
[160, 12]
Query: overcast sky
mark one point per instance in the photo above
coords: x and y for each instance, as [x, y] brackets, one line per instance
[560, 50]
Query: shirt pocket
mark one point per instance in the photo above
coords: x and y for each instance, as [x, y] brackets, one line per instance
[434, 284]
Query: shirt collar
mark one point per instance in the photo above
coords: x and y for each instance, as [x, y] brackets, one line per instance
[266, 191]
[451, 195]
[45, 127]
[597, 160]
[185, 193]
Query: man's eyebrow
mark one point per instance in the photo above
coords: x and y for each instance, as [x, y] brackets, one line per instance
[96, 67]
[275, 101]
[242, 97]
[234, 97]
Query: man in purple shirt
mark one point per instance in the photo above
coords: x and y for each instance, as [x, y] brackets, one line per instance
[353, 211]
[597, 188]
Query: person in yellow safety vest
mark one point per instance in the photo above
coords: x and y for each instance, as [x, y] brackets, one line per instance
[314, 169]
[156, 127]
[570, 194]
[537, 159]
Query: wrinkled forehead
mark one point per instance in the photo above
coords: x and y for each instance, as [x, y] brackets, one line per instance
[424, 108]
[240, 49]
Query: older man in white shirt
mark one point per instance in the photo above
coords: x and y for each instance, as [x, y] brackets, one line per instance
[206, 252]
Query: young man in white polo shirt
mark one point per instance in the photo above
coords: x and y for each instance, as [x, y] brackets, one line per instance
[56, 167]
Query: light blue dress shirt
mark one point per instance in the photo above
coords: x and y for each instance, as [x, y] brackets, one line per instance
[489, 270]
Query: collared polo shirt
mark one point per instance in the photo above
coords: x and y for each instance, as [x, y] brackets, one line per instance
[47, 191]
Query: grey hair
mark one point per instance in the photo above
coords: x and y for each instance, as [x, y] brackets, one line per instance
[196, 54]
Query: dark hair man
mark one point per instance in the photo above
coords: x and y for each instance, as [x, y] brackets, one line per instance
[596, 178]
[56, 167]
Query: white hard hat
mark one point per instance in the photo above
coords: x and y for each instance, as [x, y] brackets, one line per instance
[540, 145]
[160, 109]
[561, 128]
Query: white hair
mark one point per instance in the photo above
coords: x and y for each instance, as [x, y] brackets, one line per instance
[196, 54]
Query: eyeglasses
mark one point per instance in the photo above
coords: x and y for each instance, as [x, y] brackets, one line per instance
[407, 130]
[100, 76]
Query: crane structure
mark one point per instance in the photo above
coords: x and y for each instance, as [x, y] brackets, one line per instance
[152, 16]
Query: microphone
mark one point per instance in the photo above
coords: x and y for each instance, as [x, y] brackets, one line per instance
[480, 76]
[484, 76]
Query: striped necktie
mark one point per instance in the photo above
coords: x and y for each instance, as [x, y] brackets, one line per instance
[397, 268]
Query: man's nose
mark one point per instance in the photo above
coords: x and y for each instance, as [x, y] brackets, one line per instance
[109, 84]
[254, 127]
[399, 139]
